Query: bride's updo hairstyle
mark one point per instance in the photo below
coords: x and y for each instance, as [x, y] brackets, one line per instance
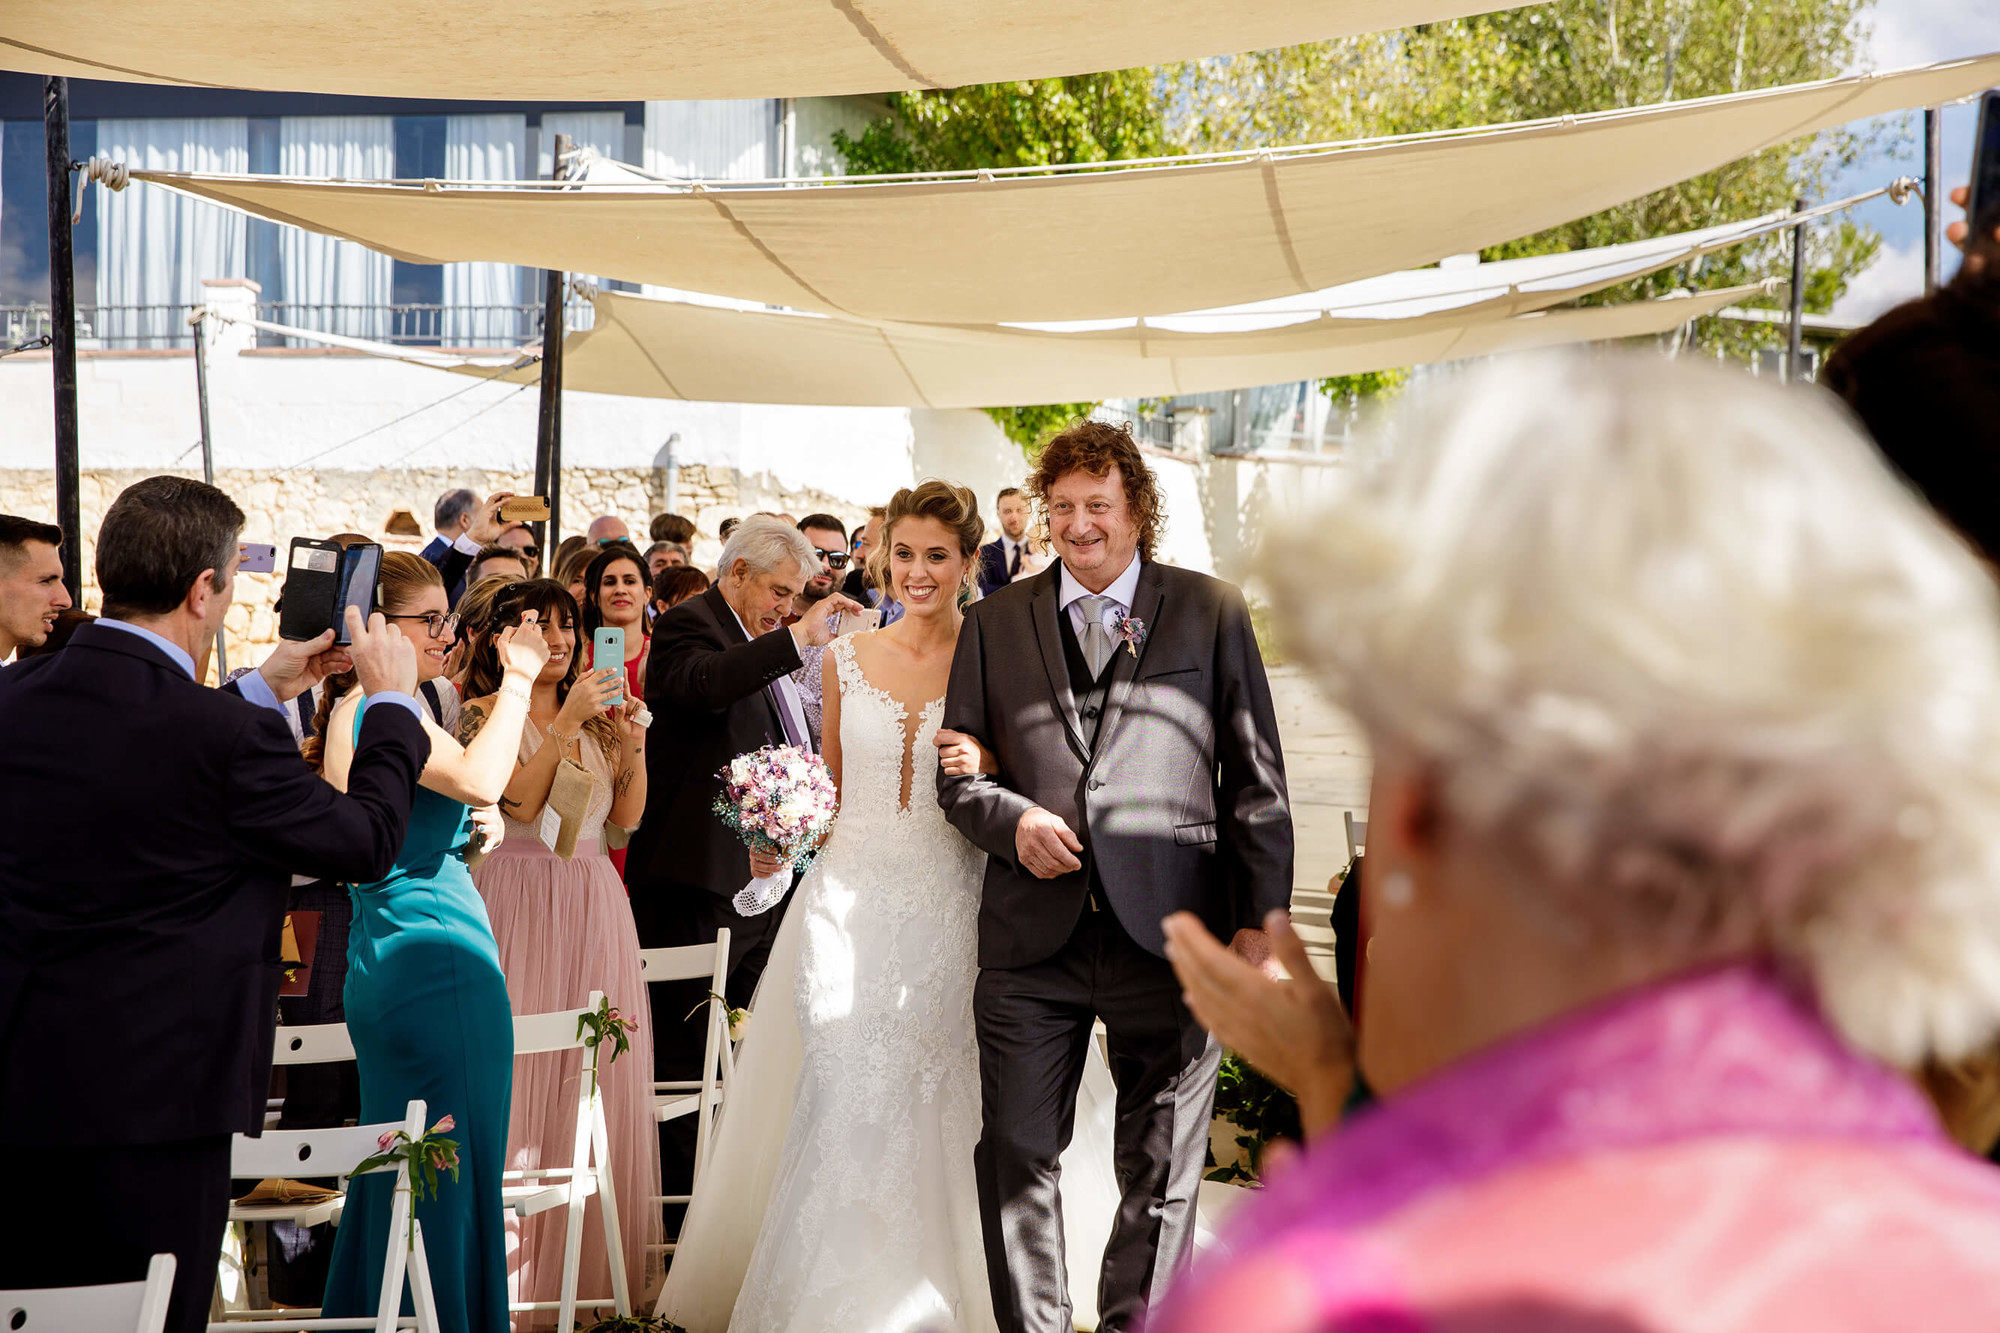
[1682, 656]
[954, 506]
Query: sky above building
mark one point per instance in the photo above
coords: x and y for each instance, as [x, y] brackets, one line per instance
[1914, 32]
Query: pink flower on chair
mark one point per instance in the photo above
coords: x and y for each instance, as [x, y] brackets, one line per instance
[444, 1126]
[386, 1141]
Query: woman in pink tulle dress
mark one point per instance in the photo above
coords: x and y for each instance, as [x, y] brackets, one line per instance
[565, 929]
[1683, 842]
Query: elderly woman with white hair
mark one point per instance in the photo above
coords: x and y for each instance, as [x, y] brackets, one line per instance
[1684, 838]
[718, 684]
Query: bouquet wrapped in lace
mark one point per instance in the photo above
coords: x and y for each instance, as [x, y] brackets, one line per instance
[780, 800]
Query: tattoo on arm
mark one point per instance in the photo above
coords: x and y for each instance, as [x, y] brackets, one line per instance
[470, 722]
[509, 805]
[624, 785]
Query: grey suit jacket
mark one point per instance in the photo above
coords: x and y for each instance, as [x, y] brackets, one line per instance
[1182, 800]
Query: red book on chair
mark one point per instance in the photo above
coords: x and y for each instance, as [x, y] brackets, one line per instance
[300, 943]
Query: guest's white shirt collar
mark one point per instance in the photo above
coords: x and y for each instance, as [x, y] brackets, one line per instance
[1123, 590]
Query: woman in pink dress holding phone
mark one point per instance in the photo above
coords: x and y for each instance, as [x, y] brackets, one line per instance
[616, 589]
[564, 929]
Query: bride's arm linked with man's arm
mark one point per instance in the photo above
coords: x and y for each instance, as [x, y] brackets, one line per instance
[980, 805]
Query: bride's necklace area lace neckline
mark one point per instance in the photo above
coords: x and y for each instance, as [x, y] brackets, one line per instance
[854, 674]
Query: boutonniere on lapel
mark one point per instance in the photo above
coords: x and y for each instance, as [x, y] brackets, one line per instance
[1131, 632]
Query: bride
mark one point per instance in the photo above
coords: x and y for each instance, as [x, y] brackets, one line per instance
[839, 1194]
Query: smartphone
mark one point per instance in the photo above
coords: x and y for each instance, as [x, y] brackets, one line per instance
[607, 649]
[525, 509]
[312, 583]
[1983, 196]
[256, 558]
[849, 622]
[360, 587]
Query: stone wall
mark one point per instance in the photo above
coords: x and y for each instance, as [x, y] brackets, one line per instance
[297, 503]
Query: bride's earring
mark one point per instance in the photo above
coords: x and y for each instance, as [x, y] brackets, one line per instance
[1397, 890]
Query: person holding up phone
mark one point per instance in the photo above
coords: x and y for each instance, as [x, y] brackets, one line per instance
[1925, 379]
[425, 997]
[564, 927]
[616, 588]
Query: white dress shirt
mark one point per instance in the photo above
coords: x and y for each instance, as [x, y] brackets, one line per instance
[1122, 591]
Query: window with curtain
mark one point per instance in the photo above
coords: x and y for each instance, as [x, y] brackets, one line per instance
[709, 141]
[603, 132]
[154, 247]
[483, 301]
[332, 285]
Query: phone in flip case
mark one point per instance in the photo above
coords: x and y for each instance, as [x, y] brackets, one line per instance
[321, 581]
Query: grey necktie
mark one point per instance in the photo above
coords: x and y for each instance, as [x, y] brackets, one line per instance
[1096, 640]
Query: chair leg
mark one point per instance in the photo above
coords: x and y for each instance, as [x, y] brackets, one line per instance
[607, 1203]
[573, 1215]
[390, 1305]
[422, 1298]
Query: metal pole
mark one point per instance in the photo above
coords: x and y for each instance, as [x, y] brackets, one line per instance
[62, 316]
[200, 322]
[548, 432]
[1794, 351]
[1933, 196]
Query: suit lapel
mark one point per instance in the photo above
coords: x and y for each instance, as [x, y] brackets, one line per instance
[1044, 611]
[732, 634]
[1146, 603]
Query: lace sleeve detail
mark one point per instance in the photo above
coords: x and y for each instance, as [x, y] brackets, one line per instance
[848, 671]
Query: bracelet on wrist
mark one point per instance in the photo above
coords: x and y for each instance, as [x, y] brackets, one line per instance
[520, 692]
[564, 735]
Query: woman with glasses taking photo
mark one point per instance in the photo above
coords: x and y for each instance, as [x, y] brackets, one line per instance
[564, 927]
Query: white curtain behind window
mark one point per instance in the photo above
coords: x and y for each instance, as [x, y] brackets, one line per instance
[601, 131]
[336, 286]
[154, 247]
[710, 140]
[480, 298]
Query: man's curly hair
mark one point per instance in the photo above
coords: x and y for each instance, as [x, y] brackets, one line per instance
[1095, 447]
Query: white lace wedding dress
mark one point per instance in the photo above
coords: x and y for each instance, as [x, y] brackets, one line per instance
[840, 1192]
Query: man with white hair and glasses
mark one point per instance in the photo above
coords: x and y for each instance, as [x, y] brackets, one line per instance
[718, 682]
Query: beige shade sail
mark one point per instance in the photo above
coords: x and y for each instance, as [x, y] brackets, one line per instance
[624, 50]
[673, 349]
[1085, 245]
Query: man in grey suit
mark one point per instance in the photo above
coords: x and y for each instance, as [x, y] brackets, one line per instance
[1139, 774]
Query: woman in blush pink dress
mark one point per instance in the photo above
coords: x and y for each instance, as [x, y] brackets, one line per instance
[565, 929]
[1684, 839]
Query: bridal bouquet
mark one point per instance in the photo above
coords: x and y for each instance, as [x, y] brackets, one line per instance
[780, 800]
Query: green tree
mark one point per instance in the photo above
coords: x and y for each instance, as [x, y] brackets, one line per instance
[1571, 56]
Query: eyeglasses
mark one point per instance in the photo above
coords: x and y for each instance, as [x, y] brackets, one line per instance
[835, 559]
[531, 550]
[438, 625]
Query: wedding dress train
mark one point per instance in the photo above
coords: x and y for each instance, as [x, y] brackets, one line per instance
[839, 1194]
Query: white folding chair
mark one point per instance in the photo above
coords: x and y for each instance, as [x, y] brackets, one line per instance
[335, 1152]
[1357, 833]
[702, 1097]
[589, 1171]
[112, 1308]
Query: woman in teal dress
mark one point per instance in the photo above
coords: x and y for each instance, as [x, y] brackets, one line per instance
[426, 1000]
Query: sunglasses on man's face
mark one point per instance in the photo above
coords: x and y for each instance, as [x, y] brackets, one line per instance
[834, 559]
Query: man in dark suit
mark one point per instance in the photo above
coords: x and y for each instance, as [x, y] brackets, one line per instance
[155, 828]
[1000, 559]
[1139, 774]
[479, 529]
[451, 518]
[718, 682]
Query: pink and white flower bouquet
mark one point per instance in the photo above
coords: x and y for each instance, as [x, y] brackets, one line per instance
[781, 801]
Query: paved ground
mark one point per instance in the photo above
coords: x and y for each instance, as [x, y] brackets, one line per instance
[1327, 767]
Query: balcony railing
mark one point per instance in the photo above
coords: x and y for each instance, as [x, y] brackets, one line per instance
[139, 327]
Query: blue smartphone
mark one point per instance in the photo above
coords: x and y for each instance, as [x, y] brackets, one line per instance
[607, 649]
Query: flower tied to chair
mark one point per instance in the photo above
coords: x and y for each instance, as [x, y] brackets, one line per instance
[604, 1024]
[427, 1156]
